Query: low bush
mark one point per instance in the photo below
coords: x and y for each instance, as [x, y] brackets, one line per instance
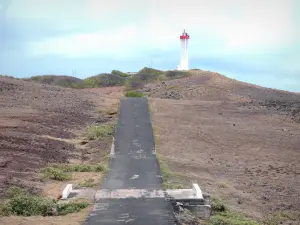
[147, 70]
[55, 174]
[79, 167]
[176, 74]
[29, 205]
[71, 207]
[100, 132]
[91, 82]
[120, 73]
[109, 80]
[134, 94]
[134, 83]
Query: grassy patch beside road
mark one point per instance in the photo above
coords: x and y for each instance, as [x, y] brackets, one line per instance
[23, 203]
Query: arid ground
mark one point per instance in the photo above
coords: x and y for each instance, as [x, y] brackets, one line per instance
[240, 142]
[41, 124]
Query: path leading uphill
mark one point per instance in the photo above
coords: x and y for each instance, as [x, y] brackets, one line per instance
[132, 192]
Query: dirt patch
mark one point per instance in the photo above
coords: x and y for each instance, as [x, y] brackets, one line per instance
[249, 156]
[37, 122]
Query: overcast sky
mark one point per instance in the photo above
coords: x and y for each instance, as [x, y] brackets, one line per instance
[257, 41]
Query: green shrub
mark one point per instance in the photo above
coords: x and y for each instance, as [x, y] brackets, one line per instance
[78, 167]
[28, 205]
[4, 210]
[100, 132]
[108, 80]
[71, 207]
[77, 86]
[134, 94]
[91, 82]
[176, 74]
[134, 82]
[151, 71]
[120, 73]
[218, 207]
[56, 174]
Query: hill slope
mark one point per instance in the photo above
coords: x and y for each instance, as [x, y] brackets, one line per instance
[58, 80]
[37, 123]
[239, 141]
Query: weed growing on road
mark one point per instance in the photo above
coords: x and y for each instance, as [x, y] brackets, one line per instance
[134, 94]
[100, 132]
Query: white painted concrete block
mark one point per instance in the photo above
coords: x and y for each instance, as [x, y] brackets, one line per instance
[67, 190]
[197, 191]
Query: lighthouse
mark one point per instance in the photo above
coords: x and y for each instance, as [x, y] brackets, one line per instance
[184, 59]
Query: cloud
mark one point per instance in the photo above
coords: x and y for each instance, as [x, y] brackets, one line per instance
[229, 27]
[230, 35]
[102, 43]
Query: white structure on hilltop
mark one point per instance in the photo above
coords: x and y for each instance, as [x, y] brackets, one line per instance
[184, 60]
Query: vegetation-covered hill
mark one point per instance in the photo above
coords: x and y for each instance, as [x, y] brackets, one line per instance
[58, 80]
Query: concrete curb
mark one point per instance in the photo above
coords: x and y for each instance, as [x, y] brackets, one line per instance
[67, 190]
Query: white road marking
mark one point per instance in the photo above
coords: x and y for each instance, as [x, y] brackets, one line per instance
[135, 176]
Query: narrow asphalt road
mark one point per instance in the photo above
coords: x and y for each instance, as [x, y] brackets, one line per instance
[134, 166]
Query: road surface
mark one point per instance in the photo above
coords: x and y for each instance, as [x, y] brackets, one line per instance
[133, 166]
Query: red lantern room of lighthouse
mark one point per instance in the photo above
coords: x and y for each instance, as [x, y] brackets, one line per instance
[184, 36]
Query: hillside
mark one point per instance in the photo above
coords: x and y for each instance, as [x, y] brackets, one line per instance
[115, 78]
[41, 124]
[239, 141]
[210, 86]
[58, 80]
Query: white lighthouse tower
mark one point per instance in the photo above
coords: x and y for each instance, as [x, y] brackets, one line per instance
[184, 60]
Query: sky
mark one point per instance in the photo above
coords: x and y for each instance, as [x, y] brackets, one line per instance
[257, 41]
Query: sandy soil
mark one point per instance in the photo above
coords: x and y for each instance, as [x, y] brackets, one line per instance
[243, 150]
